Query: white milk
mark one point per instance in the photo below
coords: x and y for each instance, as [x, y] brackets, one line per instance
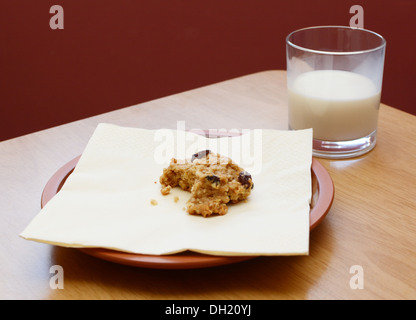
[338, 105]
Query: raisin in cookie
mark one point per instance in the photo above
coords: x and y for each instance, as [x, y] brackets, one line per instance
[212, 179]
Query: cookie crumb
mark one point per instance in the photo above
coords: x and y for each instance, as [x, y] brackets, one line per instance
[153, 202]
[176, 199]
[166, 190]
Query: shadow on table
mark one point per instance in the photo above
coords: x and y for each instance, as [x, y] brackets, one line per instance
[281, 277]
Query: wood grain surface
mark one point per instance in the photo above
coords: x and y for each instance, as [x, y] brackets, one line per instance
[372, 222]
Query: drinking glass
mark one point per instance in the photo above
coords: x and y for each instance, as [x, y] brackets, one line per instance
[334, 78]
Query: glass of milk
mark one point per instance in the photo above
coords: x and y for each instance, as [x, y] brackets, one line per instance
[334, 76]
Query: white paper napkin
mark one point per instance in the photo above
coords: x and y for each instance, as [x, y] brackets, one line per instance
[106, 201]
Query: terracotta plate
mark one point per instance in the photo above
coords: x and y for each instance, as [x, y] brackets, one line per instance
[322, 197]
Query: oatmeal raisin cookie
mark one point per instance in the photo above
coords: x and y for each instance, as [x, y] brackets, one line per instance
[213, 180]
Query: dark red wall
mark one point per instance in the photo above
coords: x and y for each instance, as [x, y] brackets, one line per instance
[112, 54]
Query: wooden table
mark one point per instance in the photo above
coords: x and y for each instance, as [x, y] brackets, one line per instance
[368, 237]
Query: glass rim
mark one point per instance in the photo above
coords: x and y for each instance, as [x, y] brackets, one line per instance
[382, 45]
